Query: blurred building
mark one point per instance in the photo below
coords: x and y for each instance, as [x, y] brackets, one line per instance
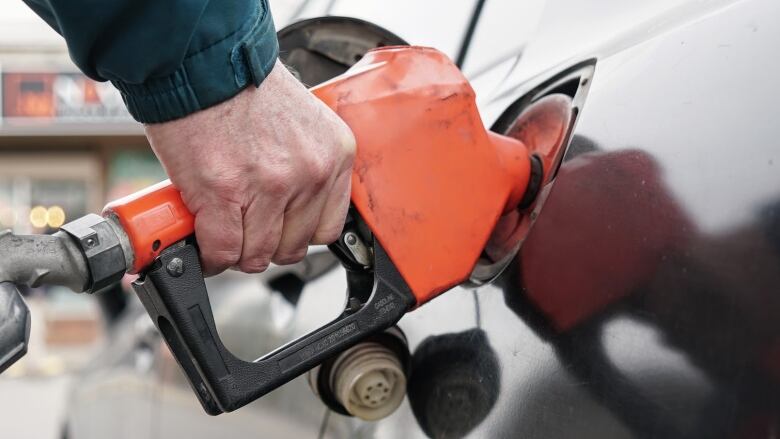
[67, 145]
[66, 142]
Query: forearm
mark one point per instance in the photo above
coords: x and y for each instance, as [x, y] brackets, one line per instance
[168, 58]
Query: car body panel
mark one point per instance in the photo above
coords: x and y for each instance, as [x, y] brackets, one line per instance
[435, 23]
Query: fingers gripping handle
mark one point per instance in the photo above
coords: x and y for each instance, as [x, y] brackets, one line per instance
[174, 294]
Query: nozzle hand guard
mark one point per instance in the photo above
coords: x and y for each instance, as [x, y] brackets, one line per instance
[174, 294]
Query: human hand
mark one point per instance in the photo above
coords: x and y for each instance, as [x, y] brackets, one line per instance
[265, 173]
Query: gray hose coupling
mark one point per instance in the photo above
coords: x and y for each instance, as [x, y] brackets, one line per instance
[102, 242]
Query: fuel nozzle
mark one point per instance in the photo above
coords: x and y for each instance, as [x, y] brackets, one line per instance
[406, 200]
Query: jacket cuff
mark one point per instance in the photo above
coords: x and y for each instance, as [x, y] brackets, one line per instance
[207, 77]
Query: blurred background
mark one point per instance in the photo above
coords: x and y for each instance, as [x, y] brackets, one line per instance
[67, 145]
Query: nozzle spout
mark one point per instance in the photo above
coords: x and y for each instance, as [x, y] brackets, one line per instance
[35, 260]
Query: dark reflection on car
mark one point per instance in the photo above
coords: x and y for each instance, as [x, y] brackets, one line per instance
[636, 258]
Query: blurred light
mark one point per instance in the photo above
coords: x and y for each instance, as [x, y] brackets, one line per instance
[38, 216]
[55, 217]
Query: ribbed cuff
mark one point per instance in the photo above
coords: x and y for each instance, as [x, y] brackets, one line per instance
[210, 76]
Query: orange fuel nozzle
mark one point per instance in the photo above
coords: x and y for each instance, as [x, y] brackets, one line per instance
[429, 180]
[428, 187]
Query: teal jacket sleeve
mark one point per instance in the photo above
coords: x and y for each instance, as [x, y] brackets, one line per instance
[168, 58]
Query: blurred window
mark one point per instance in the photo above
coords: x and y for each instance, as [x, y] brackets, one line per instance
[38, 196]
[130, 171]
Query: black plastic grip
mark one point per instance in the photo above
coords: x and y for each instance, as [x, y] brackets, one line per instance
[174, 294]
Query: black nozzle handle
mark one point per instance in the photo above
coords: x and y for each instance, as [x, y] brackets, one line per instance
[174, 294]
[14, 325]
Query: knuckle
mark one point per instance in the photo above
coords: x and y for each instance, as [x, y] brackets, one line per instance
[319, 169]
[348, 145]
[291, 257]
[256, 258]
[254, 265]
[326, 235]
[221, 259]
[343, 136]
[222, 186]
[276, 182]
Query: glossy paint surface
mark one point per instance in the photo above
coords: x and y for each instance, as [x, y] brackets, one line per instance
[644, 302]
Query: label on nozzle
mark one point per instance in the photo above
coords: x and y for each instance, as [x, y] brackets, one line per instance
[291, 361]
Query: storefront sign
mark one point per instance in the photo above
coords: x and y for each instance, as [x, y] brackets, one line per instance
[59, 98]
